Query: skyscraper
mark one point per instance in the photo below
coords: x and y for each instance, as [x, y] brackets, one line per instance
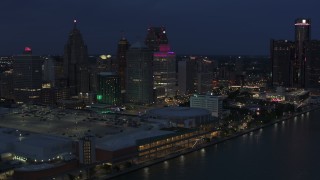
[312, 77]
[76, 63]
[155, 37]
[302, 36]
[296, 64]
[109, 88]
[186, 76]
[282, 56]
[123, 46]
[27, 77]
[204, 76]
[139, 74]
[164, 72]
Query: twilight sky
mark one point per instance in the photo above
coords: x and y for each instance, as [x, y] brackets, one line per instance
[212, 27]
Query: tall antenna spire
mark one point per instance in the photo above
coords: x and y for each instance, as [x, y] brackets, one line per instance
[74, 23]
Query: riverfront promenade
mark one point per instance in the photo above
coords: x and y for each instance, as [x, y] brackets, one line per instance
[213, 142]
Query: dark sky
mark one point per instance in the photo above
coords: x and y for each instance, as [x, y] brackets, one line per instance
[213, 27]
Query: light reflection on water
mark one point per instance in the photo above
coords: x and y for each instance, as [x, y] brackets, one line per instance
[288, 150]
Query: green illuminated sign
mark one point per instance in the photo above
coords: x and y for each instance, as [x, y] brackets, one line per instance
[99, 97]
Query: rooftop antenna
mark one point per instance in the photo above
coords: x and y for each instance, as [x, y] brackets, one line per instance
[75, 23]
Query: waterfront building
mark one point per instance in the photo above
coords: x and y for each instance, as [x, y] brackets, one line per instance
[296, 64]
[27, 77]
[164, 72]
[302, 36]
[183, 117]
[208, 101]
[75, 63]
[155, 37]
[109, 90]
[139, 74]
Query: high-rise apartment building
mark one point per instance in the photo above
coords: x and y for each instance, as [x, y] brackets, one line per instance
[139, 82]
[27, 77]
[164, 72]
[75, 61]
[155, 37]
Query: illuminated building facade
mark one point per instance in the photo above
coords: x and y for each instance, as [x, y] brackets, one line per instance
[109, 91]
[87, 154]
[207, 101]
[75, 65]
[139, 74]
[164, 72]
[302, 37]
[27, 77]
[155, 37]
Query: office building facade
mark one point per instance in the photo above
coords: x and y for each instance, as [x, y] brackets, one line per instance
[75, 63]
[139, 82]
[164, 72]
[109, 89]
[27, 77]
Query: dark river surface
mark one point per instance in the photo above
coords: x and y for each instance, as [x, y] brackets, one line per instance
[287, 150]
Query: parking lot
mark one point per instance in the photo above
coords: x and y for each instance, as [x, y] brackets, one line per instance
[67, 123]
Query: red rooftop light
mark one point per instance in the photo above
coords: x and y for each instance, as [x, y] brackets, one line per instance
[27, 49]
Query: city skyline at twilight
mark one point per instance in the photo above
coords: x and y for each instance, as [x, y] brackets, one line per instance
[207, 27]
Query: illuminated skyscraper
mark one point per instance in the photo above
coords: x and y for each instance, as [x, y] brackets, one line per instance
[155, 37]
[123, 47]
[139, 74]
[302, 37]
[296, 64]
[164, 72]
[27, 77]
[109, 88]
[76, 63]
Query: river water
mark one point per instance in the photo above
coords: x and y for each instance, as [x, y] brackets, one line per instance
[287, 150]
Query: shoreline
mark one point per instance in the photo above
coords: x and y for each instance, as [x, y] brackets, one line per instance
[214, 142]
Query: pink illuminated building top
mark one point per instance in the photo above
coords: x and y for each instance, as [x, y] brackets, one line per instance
[27, 49]
[164, 51]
